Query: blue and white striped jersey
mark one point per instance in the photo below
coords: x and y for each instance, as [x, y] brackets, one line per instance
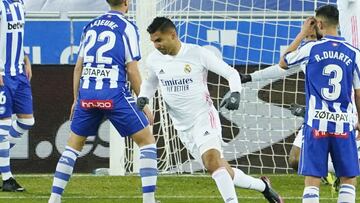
[109, 42]
[332, 70]
[12, 20]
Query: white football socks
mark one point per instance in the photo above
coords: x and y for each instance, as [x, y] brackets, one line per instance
[347, 193]
[245, 181]
[225, 185]
[310, 195]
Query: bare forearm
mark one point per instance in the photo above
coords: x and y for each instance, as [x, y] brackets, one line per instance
[134, 76]
[27, 62]
[296, 43]
[292, 47]
[76, 78]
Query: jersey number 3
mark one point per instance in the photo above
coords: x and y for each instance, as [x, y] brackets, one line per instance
[334, 82]
[92, 37]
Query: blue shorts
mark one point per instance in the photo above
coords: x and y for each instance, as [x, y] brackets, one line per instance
[316, 148]
[119, 107]
[15, 96]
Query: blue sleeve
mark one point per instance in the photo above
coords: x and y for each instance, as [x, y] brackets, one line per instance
[299, 56]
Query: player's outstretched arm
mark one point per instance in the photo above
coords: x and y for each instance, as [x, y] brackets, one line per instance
[135, 80]
[76, 81]
[134, 76]
[218, 66]
[27, 64]
[275, 71]
[271, 72]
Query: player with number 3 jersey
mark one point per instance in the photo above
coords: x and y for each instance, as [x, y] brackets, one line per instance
[332, 71]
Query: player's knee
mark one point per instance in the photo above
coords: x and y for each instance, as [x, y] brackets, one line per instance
[348, 180]
[294, 162]
[143, 137]
[20, 126]
[294, 158]
[212, 160]
[26, 123]
[76, 141]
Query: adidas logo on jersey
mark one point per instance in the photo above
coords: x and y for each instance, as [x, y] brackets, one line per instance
[162, 71]
[206, 133]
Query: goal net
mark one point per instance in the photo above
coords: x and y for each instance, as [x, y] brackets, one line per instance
[249, 35]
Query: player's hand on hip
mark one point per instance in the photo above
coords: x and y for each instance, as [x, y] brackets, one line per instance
[141, 102]
[232, 102]
[149, 115]
[245, 78]
[297, 110]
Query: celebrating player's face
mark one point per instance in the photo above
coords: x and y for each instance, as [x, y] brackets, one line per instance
[163, 41]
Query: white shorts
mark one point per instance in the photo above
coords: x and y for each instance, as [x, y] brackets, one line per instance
[204, 135]
[299, 138]
[349, 19]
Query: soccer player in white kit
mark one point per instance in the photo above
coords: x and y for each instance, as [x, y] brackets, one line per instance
[180, 69]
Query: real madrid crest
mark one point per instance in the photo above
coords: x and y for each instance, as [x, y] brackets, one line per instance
[187, 68]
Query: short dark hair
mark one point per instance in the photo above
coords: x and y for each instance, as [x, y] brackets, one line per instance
[160, 24]
[330, 13]
[115, 2]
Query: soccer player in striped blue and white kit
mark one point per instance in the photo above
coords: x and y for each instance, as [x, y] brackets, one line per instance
[15, 89]
[109, 52]
[332, 69]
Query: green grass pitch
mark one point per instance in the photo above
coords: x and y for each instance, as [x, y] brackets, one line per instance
[171, 189]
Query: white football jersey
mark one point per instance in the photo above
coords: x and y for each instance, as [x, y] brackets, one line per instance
[183, 81]
[349, 19]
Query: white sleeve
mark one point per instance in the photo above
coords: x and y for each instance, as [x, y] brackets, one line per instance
[218, 66]
[131, 41]
[1, 10]
[149, 85]
[271, 72]
[356, 80]
[299, 56]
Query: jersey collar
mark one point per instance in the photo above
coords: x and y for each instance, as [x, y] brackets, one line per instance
[116, 12]
[334, 37]
[181, 51]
